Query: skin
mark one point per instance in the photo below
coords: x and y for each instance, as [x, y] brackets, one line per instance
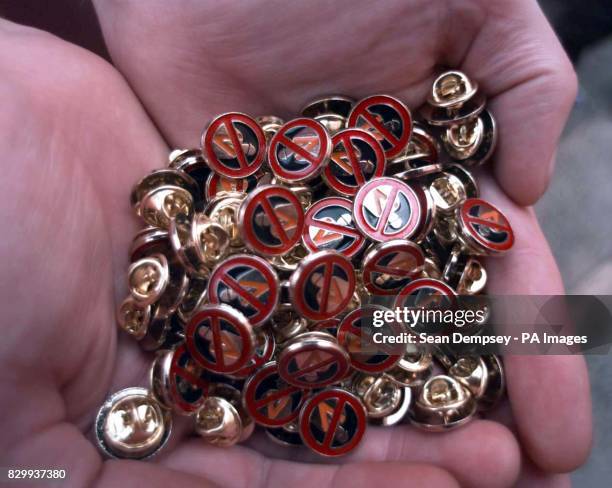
[76, 133]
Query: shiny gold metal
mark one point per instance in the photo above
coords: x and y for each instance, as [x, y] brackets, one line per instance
[431, 269]
[157, 331]
[224, 211]
[380, 395]
[212, 240]
[285, 324]
[163, 194]
[496, 385]
[442, 404]
[414, 368]
[289, 262]
[423, 146]
[469, 182]
[451, 89]
[473, 278]
[222, 420]
[462, 141]
[134, 317]
[148, 278]
[194, 299]
[471, 372]
[270, 124]
[331, 111]
[447, 192]
[132, 425]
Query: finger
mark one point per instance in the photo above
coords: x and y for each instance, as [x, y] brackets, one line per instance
[550, 395]
[241, 467]
[530, 475]
[522, 67]
[75, 139]
[489, 452]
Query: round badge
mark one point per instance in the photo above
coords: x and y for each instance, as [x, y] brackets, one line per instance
[357, 157]
[271, 220]
[215, 184]
[299, 150]
[328, 224]
[234, 145]
[269, 400]
[313, 360]
[386, 209]
[388, 120]
[220, 339]
[356, 335]
[391, 265]
[188, 381]
[332, 422]
[485, 226]
[322, 285]
[247, 283]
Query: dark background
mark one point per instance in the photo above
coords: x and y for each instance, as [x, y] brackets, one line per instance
[575, 212]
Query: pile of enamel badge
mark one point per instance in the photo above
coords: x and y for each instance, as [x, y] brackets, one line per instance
[267, 251]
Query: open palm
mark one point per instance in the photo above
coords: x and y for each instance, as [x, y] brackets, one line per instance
[76, 133]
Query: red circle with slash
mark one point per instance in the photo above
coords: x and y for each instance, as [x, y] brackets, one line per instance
[247, 283]
[332, 422]
[387, 118]
[215, 183]
[234, 145]
[367, 355]
[271, 220]
[357, 157]
[188, 381]
[423, 288]
[220, 339]
[386, 209]
[322, 286]
[399, 259]
[299, 150]
[269, 400]
[486, 225]
[328, 224]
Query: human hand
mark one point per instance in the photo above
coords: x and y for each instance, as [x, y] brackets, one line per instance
[77, 138]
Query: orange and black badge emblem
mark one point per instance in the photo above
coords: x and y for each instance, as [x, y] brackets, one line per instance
[332, 422]
[271, 220]
[269, 400]
[355, 334]
[485, 227]
[234, 145]
[356, 158]
[299, 150]
[322, 285]
[189, 382]
[329, 224]
[313, 360]
[247, 283]
[386, 209]
[220, 339]
[387, 119]
[391, 265]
